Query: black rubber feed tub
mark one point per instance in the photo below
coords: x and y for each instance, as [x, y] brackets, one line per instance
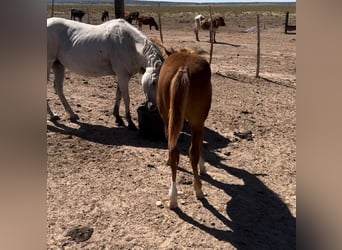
[151, 125]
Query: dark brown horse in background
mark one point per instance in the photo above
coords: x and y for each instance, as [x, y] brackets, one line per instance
[184, 93]
[105, 16]
[134, 15]
[147, 20]
[77, 13]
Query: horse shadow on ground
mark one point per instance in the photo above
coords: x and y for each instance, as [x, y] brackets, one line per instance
[123, 136]
[212, 140]
[230, 44]
[106, 135]
[259, 219]
[291, 33]
[224, 43]
[277, 83]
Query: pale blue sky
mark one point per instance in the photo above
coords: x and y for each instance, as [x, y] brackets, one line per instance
[180, 1]
[223, 1]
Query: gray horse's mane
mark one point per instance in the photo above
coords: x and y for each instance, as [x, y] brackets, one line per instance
[153, 54]
[149, 50]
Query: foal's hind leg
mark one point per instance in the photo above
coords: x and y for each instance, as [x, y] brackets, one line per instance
[173, 161]
[201, 165]
[58, 70]
[195, 152]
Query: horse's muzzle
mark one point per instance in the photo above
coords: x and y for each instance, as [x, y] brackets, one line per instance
[150, 106]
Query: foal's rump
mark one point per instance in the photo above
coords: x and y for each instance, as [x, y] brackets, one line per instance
[199, 75]
[187, 79]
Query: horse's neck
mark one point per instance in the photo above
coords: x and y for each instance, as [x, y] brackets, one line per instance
[152, 54]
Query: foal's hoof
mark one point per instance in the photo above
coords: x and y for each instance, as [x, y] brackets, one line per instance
[203, 171]
[55, 118]
[173, 204]
[74, 118]
[199, 195]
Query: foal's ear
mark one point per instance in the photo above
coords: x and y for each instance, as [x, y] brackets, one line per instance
[162, 48]
[169, 51]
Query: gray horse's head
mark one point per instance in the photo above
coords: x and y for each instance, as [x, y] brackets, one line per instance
[150, 78]
[150, 83]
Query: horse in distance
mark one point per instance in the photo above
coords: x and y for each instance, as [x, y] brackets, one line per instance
[130, 16]
[147, 20]
[184, 93]
[134, 15]
[77, 13]
[128, 19]
[105, 16]
[203, 22]
[111, 48]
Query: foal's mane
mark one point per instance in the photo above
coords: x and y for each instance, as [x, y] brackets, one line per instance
[166, 52]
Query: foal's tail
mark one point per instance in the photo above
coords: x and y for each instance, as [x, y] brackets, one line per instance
[179, 92]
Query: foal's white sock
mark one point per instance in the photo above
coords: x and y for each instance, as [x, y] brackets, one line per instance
[201, 165]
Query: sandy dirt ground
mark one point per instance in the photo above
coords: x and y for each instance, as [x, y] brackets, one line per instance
[104, 181]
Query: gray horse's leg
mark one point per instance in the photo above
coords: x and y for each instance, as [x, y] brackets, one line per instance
[118, 119]
[123, 85]
[53, 116]
[58, 70]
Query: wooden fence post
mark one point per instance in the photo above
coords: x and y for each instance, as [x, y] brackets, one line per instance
[287, 26]
[52, 8]
[258, 47]
[160, 24]
[119, 8]
[286, 21]
[211, 36]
